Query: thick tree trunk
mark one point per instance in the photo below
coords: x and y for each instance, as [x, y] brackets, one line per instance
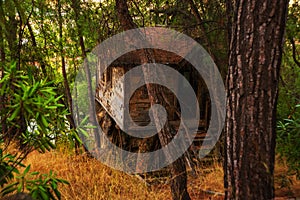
[177, 168]
[256, 38]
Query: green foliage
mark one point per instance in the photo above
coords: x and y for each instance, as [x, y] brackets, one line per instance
[7, 162]
[289, 88]
[33, 110]
[288, 114]
[288, 140]
[293, 23]
[37, 107]
[35, 103]
[40, 186]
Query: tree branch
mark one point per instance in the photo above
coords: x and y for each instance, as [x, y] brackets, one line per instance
[294, 50]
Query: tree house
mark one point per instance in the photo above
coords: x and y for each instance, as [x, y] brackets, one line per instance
[110, 93]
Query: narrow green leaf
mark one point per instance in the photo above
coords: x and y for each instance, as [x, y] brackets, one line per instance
[19, 188]
[63, 181]
[42, 148]
[53, 185]
[44, 195]
[44, 121]
[35, 194]
[34, 88]
[51, 107]
[59, 97]
[52, 145]
[41, 188]
[34, 173]
[28, 110]
[27, 169]
[14, 114]
[46, 145]
[83, 132]
[9, 188]
[57, 193]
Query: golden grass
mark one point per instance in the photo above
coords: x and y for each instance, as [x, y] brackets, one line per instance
[286, 184]
[91, 180]
[207, 183]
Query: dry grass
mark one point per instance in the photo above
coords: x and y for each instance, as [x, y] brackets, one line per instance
[207, 183]
[286, 185]
[91, 180]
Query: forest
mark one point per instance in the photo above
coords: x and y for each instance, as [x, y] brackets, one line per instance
[67, 74]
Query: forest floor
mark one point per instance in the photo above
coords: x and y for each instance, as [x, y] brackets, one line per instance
[91, 180]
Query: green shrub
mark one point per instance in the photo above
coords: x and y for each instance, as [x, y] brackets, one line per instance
[39, 186]
[32, 117]
[288, 140]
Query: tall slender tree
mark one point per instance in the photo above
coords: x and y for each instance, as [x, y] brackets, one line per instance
[256, 30]
[76, 6]
[178, 182]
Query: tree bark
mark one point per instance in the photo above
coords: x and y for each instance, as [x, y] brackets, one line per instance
[256, 41]
[177, 168]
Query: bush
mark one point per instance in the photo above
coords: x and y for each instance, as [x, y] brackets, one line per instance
[39, 186]
[288, 140]
[32, 117]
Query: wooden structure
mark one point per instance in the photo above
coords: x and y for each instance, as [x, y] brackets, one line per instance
[110, 93]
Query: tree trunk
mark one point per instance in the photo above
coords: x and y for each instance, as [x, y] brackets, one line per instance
[67, 91]
[2, 62]
[177, 168]
[256, 39]
[92, 114]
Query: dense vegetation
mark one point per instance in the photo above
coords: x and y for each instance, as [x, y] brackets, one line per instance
[43, 44]
[288, 107]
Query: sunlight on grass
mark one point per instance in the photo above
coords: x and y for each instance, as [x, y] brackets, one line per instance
[91, 180]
